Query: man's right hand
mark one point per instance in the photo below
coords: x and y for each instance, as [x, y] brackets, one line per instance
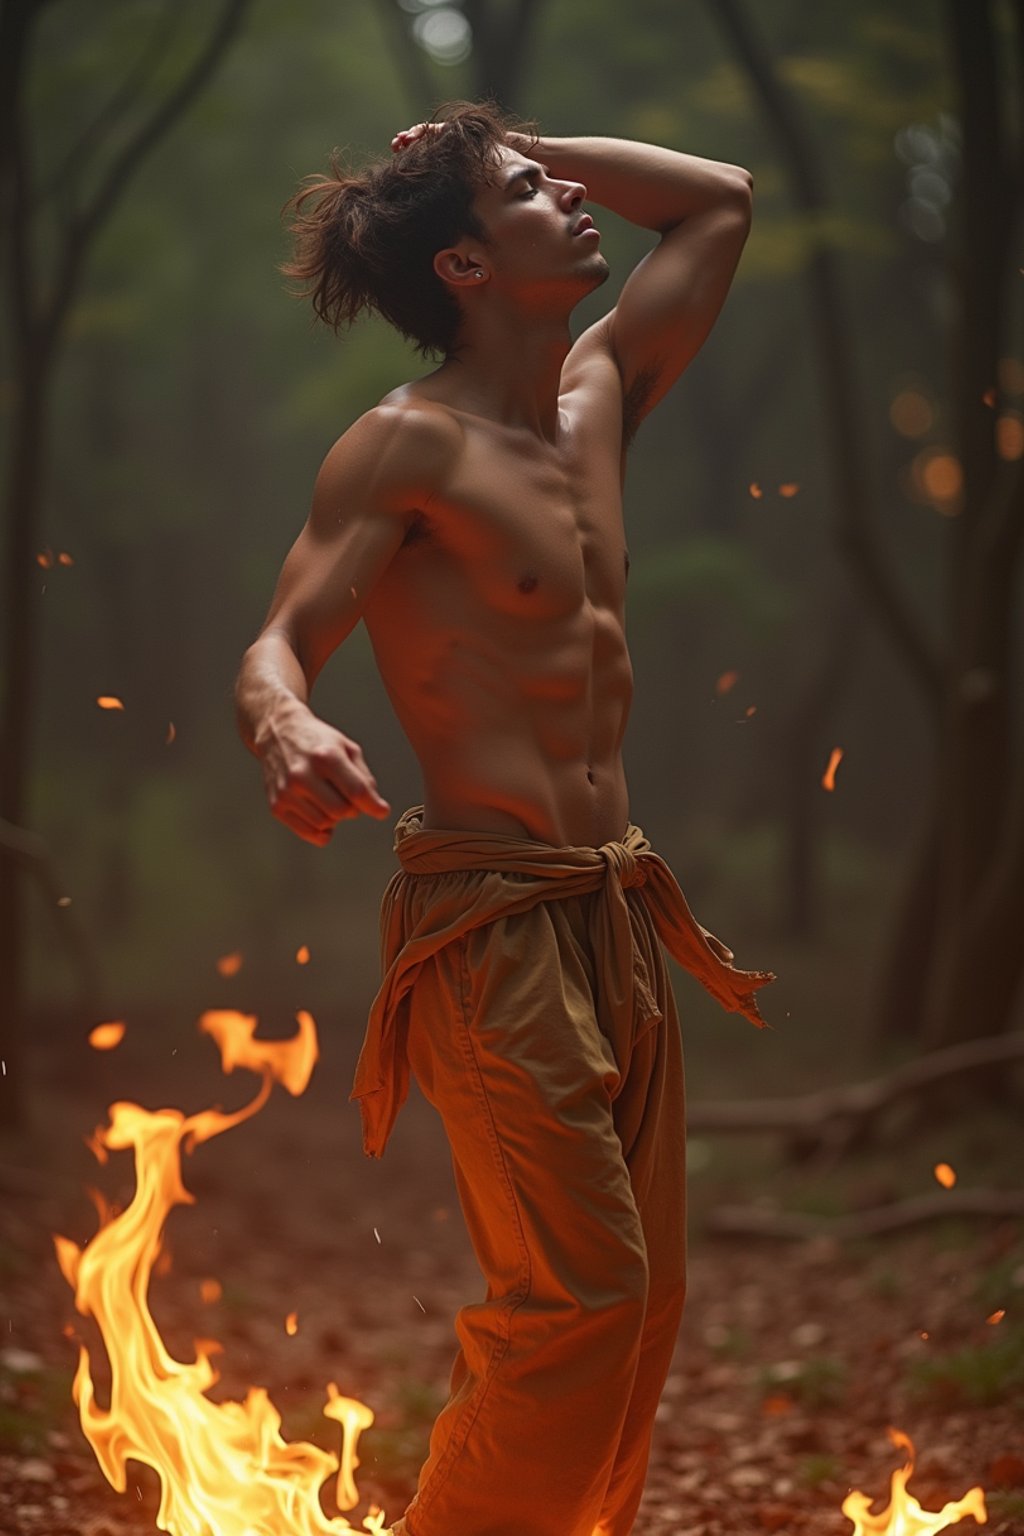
[315, 777]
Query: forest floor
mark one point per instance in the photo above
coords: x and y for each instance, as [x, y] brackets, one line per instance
[793, 1360]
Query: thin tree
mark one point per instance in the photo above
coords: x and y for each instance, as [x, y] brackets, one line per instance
[955, 955]
[39, 299]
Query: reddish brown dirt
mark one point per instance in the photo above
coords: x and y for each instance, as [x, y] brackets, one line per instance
[791, 1362]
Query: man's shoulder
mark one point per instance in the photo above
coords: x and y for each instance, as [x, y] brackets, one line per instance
[403, 444]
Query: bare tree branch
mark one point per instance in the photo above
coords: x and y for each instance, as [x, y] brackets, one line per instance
[125, 164]
[854, 532]
[74, 165]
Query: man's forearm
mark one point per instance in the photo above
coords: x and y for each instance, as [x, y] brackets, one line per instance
[271, 685]
[654, 187]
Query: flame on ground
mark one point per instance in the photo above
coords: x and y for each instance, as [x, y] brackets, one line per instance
[904, 1516]
[223, 1467]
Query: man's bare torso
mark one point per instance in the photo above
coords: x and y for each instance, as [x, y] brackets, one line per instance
[499, 627]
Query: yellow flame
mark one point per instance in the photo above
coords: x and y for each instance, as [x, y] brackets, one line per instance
[904, 1516]
[223, 1467]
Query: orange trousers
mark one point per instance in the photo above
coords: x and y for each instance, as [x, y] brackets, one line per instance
[527, 989]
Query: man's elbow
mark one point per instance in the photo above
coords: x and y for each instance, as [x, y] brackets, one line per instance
[739, 184]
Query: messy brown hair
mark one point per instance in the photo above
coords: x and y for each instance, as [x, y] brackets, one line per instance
[365, 240]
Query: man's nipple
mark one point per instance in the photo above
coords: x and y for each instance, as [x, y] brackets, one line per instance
[526, 583]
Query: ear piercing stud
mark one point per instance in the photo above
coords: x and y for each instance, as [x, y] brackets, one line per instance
[478, 274]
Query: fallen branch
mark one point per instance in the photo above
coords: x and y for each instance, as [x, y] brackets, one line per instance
[823, 1110]
[750, 1221]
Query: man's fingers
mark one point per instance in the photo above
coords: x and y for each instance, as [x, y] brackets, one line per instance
[354, 782]
[310, 831]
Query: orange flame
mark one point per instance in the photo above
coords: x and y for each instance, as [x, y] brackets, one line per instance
[904, 1516]
[223, 1467]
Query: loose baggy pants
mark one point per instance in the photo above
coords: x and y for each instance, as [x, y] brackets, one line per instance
[539, 1021]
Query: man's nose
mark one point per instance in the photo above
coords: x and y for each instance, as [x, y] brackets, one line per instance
[575, 192]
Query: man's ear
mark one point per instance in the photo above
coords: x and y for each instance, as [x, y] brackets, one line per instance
[463, 268]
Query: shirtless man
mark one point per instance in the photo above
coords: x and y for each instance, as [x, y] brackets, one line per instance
[473, 520]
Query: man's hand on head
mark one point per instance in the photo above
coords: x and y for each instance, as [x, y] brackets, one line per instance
[410, 136]
[315, 777]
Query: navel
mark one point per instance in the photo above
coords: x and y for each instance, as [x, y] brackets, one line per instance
[526, 583]
[590, 775]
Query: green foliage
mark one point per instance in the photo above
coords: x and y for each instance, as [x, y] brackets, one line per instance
[816, 1382]
[31, 1404]
[977, 1375]
[820, 1468]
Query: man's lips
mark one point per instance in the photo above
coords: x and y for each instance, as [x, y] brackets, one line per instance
[584, 225]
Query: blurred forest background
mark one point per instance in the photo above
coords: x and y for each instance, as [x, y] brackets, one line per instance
[824, 518]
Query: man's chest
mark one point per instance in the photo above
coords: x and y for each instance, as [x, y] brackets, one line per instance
[536, 532]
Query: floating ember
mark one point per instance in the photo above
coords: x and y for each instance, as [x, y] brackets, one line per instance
[904, 1516]
[223, 1467]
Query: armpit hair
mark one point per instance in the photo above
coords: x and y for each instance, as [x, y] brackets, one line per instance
[635, 400]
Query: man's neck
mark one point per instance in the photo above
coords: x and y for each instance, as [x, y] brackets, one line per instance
[510, 369]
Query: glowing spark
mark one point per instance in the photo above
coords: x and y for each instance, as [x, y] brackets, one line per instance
[302, 955]
[996, 1317]
[828, 778]
[945, 1175]
[109, 701]
[726, 682]
[64, 558]
[63, 901]
[989, 397]
[755, 490]
[291, 1324]
[210, 1291]
[171, 733]
[45, 558]
[789, 489]
[106, 1036]
[230, 965]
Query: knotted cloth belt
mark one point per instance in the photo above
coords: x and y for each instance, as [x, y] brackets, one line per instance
[516, 874]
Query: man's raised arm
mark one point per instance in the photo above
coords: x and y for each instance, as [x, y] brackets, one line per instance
[369, 486]
[701, 209]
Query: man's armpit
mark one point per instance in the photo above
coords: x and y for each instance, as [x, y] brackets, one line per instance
[637, 398]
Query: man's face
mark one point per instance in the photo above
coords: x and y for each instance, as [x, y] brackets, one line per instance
[540, 242]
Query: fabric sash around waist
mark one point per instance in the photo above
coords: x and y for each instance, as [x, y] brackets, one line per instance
[542, 872]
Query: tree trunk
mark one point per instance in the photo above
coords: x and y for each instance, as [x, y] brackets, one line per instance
[973, 987]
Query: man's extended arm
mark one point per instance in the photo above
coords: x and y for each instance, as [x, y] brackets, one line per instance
[370, 484]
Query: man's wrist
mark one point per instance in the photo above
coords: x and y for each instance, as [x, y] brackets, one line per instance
[275, 719]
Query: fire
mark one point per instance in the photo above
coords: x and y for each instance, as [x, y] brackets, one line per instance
[223, 1467]
[904, 1516]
